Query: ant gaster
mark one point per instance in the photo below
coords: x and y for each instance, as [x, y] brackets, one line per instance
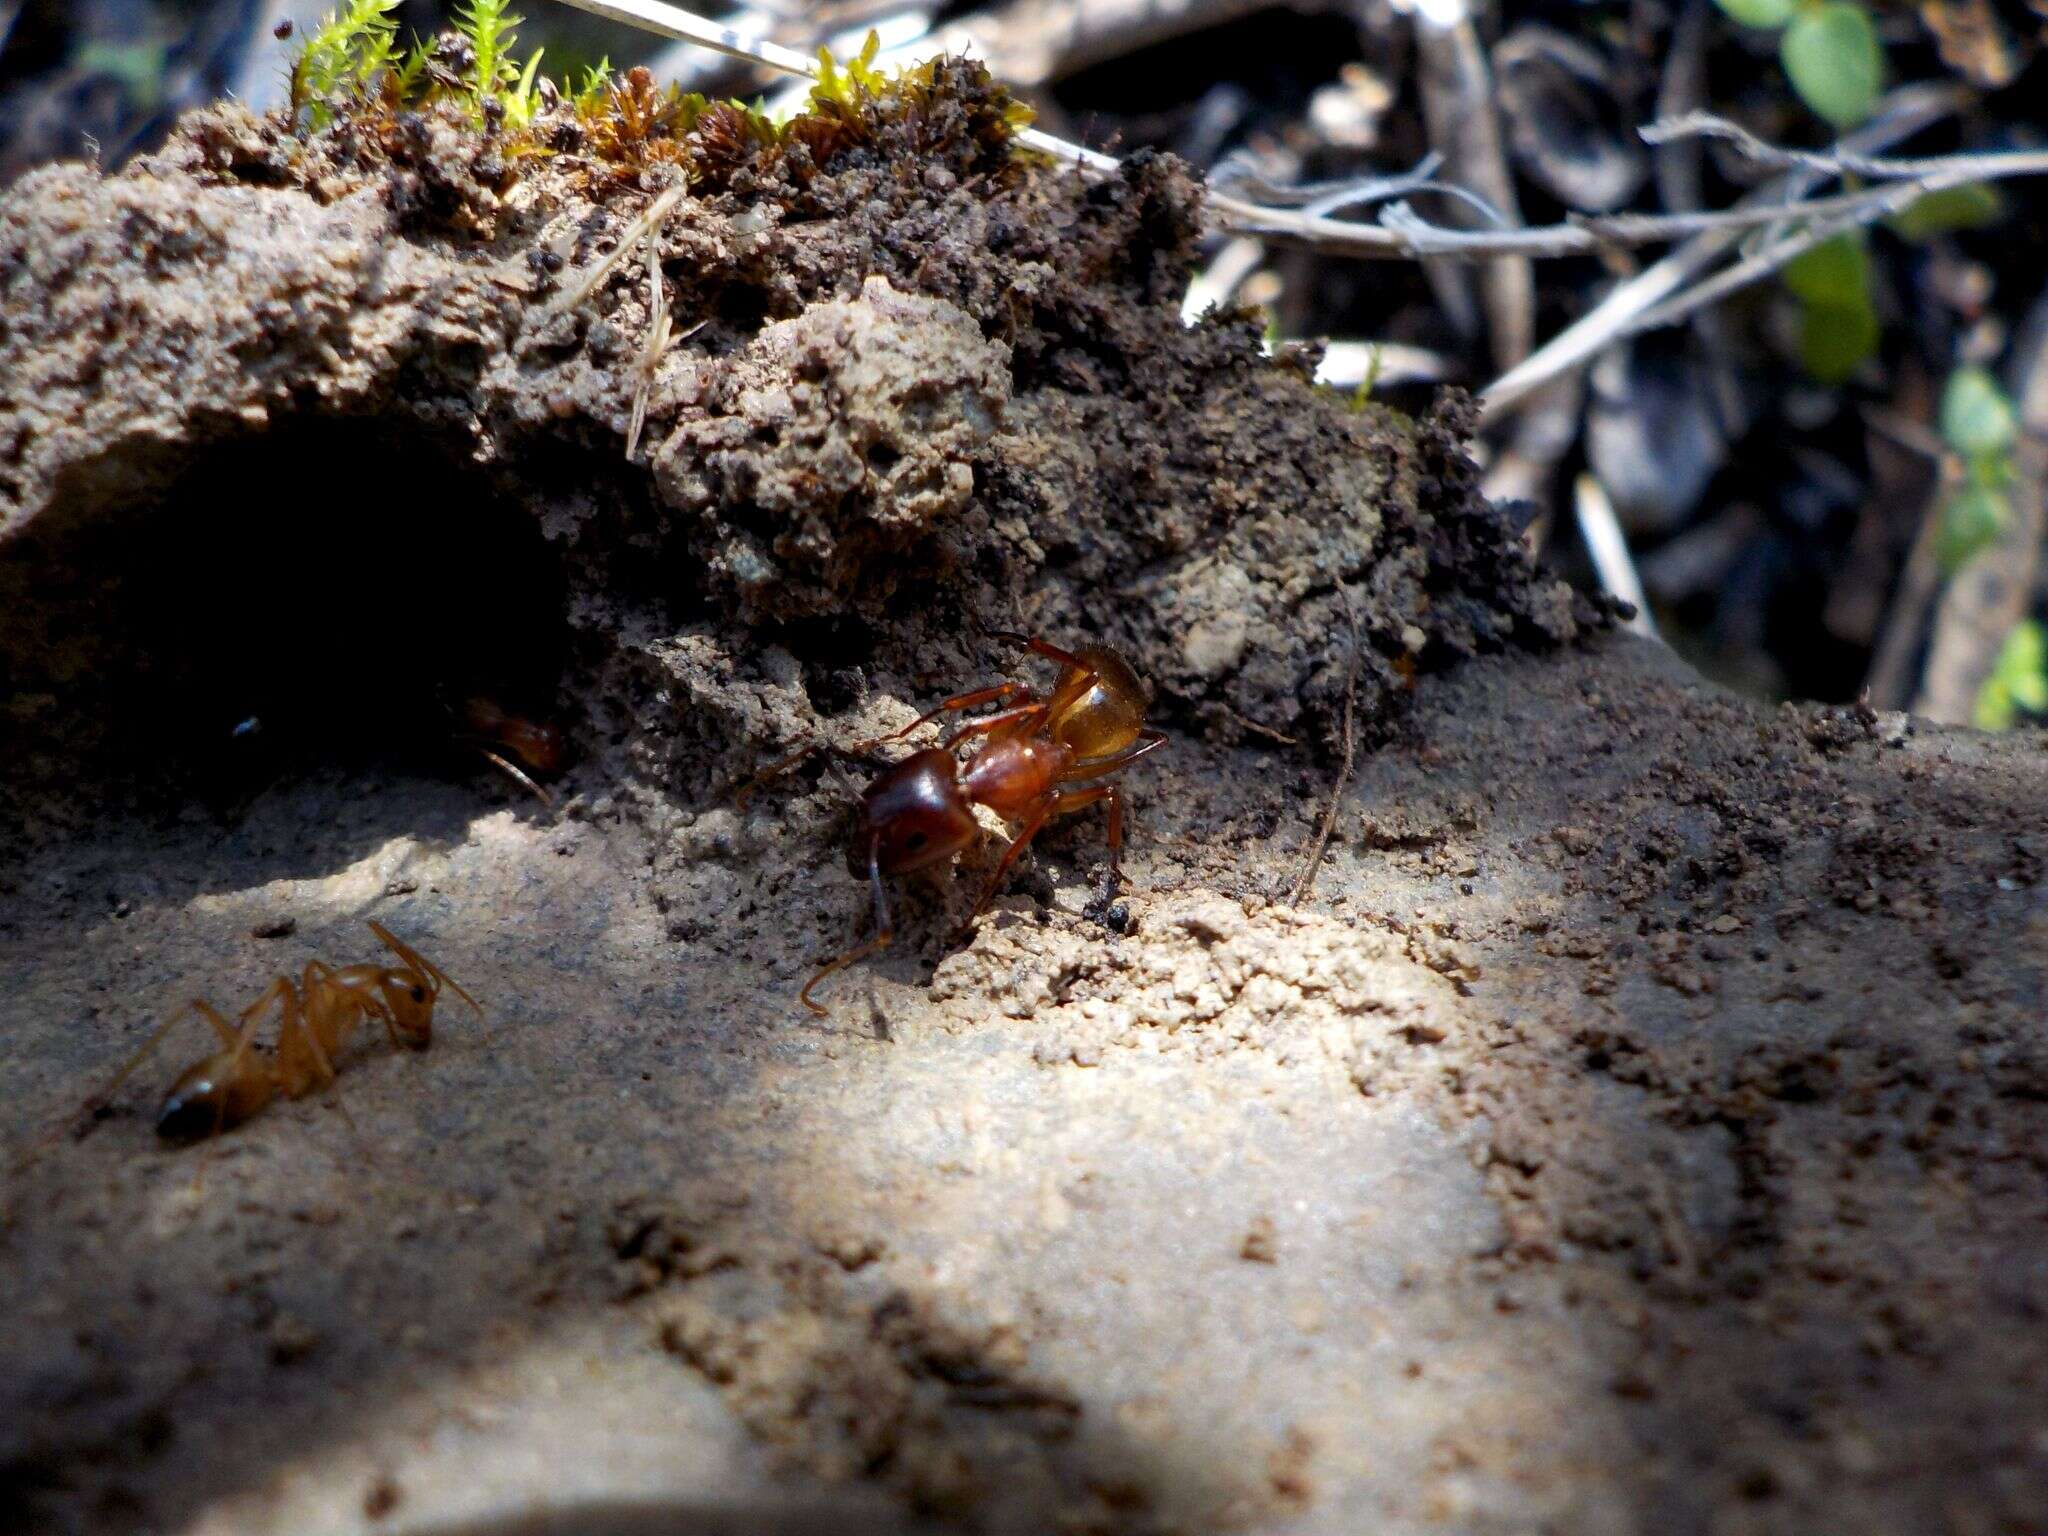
[1038, 758]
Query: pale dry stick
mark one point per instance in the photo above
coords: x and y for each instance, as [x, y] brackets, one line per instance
[1611, 557]
[659, 325]
[1456, 84]
[1031, 43]
[1889, 683]
[1881, 202]
[1233, 175]
[1524, 468]
[1681, 90]
[1307, 880]
[1905, 113]
[1403, 235]
[647, 224]
[1348, 364]
[1607, 546]
[1216, 284]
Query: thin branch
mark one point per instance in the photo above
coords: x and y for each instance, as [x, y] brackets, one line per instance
[1402, 234]
[1454, 79]
[1881, 202]
[1842, 161]
[1905, 113]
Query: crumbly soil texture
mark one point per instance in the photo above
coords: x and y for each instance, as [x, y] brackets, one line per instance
[1636, 1122]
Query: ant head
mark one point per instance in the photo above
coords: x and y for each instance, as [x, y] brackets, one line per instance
[914, 814]
[410, 996]
[537, 745]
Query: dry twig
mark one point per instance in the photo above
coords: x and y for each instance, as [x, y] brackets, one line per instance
[1905, 113]
[1456, 83]
[1306, 882]
[1607, 547]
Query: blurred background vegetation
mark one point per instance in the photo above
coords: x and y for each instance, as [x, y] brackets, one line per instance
[1829, 485]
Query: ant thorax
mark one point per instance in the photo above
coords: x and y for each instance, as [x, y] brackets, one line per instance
[1013, 775]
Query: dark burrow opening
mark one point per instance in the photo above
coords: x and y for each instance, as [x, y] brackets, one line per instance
[333, 594]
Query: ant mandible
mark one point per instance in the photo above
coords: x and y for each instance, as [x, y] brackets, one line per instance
[1040, 758]
[315, 1019]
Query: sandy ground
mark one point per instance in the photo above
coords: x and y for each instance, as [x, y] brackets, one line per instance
[1449, 1200]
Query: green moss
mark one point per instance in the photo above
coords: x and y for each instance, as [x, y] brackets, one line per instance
[342, 58]
[352, 76]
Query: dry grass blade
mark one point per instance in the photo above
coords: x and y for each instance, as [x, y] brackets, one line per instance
[649, 223]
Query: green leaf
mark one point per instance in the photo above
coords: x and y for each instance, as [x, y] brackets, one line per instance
[1834, 60]
[1968, 207]
[2018, 680]
[1994, 710]
[1759, 13]
[138, 66]
[1972, 521]
[1837, 339]
[1977, 418]
[1834, 274]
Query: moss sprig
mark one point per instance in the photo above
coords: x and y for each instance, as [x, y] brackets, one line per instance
[343, 57]
[627, 124]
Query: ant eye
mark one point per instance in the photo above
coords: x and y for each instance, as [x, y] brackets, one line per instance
[915, 841]
[419, 994]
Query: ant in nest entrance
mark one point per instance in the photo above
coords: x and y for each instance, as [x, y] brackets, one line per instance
[1033, 758]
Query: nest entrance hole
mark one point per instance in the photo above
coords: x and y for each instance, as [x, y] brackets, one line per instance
[332, 593]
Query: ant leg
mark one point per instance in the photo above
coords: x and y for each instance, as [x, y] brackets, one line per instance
[885, 933]
[999, 693]
[996, 722]
[297, 1024]
[1096, 767]
[516, 773]
[97, 1101]
[1073, 800]
[1044, 648]
[1079, 676]
[776, 770]
[1017, 845]
[422, 964]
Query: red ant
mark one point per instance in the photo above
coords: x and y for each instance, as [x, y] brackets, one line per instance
[1036, 762]
[539, 746]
